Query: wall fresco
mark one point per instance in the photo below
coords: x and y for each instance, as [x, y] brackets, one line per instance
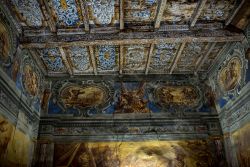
[230, 74]
[30, 80]
[177, 95]
[5, 43]
[179, 11]
[189, 153]
[82, 97]
[14, 146]
[242, 145]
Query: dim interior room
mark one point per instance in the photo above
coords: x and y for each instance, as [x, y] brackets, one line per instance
[124, 83]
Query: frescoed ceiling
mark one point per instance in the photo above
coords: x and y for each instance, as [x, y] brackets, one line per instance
[118, 37]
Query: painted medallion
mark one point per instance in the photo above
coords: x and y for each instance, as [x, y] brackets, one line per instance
[230, 75]
[177, 96]
[30, 80]
[82, 97]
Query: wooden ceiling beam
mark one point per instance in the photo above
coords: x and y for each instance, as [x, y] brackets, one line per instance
[65, 61]
[121, 59]
[92, 57]
[131, 38]
[150, 54]
[85, 15]
[177, 57]
[160, 11]
[197, 12]
[229, 20]
[121, 14]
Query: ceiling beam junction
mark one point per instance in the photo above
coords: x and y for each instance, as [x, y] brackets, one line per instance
[65, 60]
[160, 11]
[85, 15]
[47, 13]
[229, 20]
[202, 59]
[38, 61]
[197, 12]
[150, 54]
[177, 57]
[92, 57]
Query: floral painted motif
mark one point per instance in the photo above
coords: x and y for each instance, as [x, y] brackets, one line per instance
[67, 12]
[30, 10]
[80, 58]
[52, 59]
[106, 57]
[163, 54]
[103, 10]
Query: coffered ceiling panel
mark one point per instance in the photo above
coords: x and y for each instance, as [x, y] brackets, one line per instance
[140, 11]
[79, 60]
[67, 13]
[179, 12]
[52, 59]
[135, 58]
[163, 56]
[218, 10]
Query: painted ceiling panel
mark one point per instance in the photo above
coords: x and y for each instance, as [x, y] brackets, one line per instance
[135, 58]
[68, 13]
[212, 56]
[140, 11]
[79, 60]
[52, 59]
[163, 56]
[190, 56]
[217, 10]
[179, 12]
[103, 12]
[30, 12]
[107, 58]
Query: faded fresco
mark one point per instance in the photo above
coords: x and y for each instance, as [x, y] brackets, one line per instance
[242, 145]
[81, 97]
[30, 80]
[193, 153]
[177, 95]
[14, 146]
[230, 75]
[5, 43]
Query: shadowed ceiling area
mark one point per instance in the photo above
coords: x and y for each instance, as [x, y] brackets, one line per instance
[124, 83]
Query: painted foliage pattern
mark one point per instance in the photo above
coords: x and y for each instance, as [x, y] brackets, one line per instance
[107, 58]
[135, 57]
[67, 12]
[179, 11]
[189, 153]
[79, 58]
[52, 59]
[163, 56]
[30, 10]
[103, 11]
